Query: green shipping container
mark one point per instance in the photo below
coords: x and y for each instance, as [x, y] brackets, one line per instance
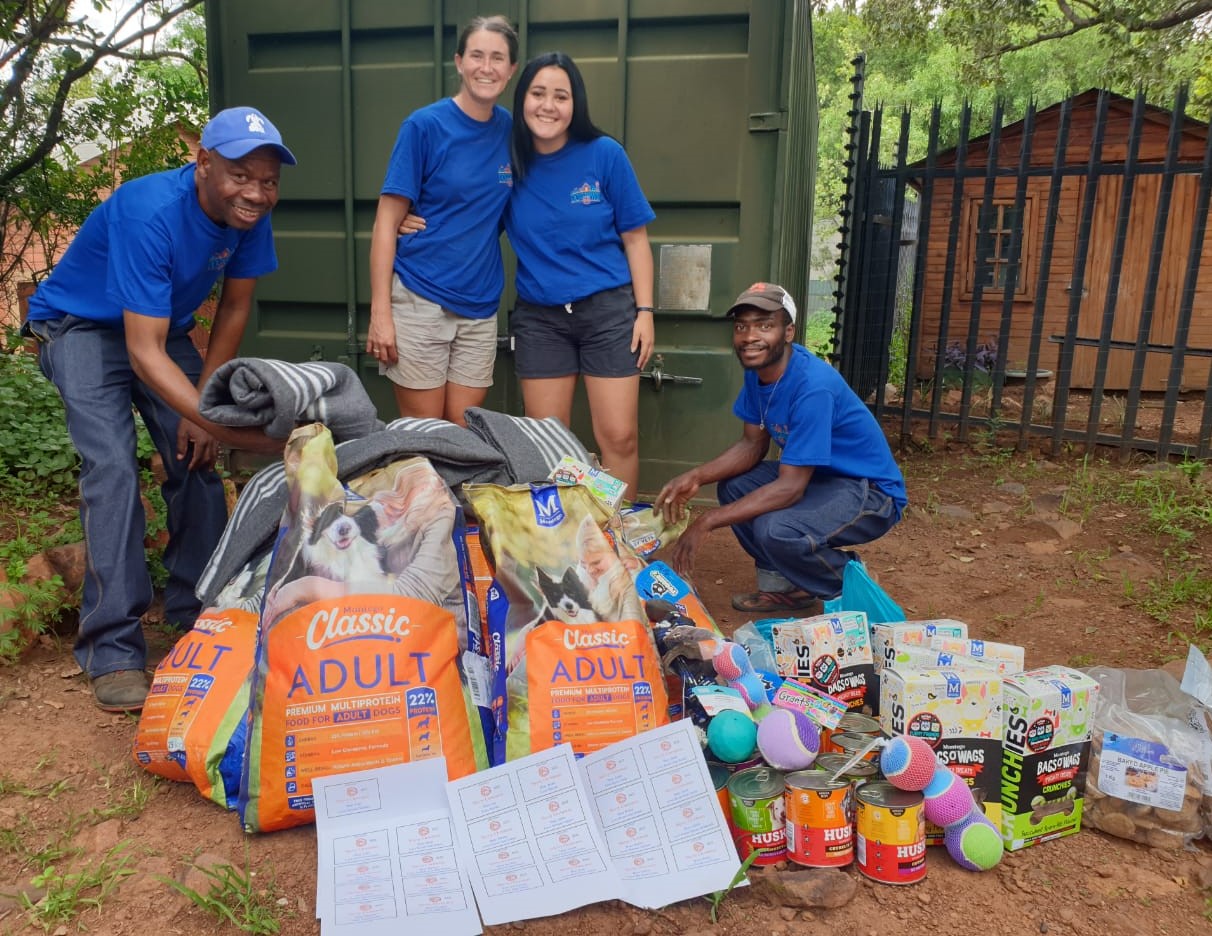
[715, 101]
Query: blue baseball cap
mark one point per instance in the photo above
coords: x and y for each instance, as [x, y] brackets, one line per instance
[237, 131]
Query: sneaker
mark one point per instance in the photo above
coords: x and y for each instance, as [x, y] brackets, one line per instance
[121, 691]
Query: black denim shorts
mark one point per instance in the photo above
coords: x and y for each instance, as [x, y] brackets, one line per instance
[590, 336]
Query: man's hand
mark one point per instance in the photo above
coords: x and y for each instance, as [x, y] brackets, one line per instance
[198, 444]
[687, 548]
[676, 495]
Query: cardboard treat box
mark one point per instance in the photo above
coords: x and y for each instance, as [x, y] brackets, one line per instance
[886, 639]
[1047, 716]
[831, 652]
[923, 658]
[959, 711]
[1007, 657]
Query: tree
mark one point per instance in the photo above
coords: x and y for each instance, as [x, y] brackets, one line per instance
[67, 86]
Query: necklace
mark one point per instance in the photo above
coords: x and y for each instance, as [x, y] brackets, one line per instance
[766, 408]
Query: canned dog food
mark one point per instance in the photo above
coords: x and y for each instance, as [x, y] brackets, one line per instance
[857, 773]
[758, 814]
[850, 744]
[819, 815]
[850, 723]
[720, 776]
[890, 833]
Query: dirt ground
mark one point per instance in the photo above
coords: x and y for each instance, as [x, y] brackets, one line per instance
[988, 541]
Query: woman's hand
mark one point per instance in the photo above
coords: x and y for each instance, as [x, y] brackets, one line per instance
[381, 339]
[643, 336]
[412, 224]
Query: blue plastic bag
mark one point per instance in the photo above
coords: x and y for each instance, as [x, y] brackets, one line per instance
[860, 592]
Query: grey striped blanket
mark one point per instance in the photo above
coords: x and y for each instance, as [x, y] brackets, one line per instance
[277, 396]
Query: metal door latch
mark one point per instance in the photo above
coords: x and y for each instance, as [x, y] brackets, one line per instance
[656, 373]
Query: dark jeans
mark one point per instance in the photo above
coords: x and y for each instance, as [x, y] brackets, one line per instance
[806, 544]
[89, 365]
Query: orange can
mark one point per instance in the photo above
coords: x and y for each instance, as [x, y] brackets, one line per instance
[850, 723]
[890, 833]
[820, 833]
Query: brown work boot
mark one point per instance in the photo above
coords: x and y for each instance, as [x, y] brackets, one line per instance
[121, 691]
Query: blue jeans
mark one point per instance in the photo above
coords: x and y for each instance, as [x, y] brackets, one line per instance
[89, 365]
[806, 544]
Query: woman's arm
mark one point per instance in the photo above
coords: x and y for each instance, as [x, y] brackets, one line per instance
[639, 261]
[381, 336]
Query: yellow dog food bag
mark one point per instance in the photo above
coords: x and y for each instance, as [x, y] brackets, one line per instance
[580, 663]
[358, 660]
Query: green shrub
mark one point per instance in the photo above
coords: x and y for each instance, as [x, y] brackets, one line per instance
[36, 454]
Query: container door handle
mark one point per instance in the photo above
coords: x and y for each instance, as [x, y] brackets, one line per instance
[656, 373]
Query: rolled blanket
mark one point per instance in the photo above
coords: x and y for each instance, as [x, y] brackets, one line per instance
[277, 395]
[457, 455]
[532, 447]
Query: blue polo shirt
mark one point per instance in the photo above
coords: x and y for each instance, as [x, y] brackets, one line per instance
[818, 421]
[150, 248]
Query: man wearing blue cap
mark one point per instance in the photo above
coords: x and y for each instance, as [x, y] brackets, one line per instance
[834, 485]
[112, 324]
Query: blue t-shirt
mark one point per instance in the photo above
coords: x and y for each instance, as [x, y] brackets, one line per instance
[565, 220]
[455, 170]
[150, 248]
[817, 420]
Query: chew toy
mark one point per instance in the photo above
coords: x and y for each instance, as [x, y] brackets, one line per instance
[908, 762]
[732, 736]
[788, 739]
[732, 664]
[970, 838]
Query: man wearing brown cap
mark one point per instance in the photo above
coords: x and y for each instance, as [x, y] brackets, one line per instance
[835, 484]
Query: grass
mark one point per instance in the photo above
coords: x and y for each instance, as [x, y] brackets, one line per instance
[14, 841]
[131, 800]
[235, 898]
[717, 898]
[71, 893]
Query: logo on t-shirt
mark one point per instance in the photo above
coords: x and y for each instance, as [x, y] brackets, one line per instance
[219, 260]
[587, 193]
[505, 175]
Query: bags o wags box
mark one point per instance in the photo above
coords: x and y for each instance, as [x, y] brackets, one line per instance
[1007, 657]
[959, 711]
[831, 652]
[1045, 754]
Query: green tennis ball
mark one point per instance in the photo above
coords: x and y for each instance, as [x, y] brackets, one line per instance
[975, 843]
[732, 736]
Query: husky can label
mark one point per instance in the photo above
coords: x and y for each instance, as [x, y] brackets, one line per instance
[890, 833]
[757, 807]
[820, 817]
[857, 773]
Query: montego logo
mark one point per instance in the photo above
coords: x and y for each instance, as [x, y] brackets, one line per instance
[505, 174]
[219, 260]
[587, 193]
[580, 639]
[548, 511]
[332, 627]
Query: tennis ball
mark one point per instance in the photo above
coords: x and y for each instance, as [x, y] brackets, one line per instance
[908, 763]
[948, 799]
[788, 740]
[731, 661]
[732, 736]
[975, 843]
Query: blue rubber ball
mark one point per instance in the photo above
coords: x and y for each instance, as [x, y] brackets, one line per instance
[732, 737]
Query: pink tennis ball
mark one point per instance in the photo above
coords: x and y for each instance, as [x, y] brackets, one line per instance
[788, 740]
[751, 688]
[975, 843]
[731, 661]
[948, 801]
[908, 763]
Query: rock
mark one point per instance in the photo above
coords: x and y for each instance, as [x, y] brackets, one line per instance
[1203, 878]
[1047, 505]
[1012, 488]
[806, 888]
[995, 507]
[1128, 565]
[642, 926]
[14, 897]
[787, 914]
[194, 875]
[1057, 528]
[102, 838]
[923, 898]
[69, 562]
[955, 512]
[1041, 548]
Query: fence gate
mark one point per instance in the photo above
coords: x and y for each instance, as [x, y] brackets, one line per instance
[1058, 286]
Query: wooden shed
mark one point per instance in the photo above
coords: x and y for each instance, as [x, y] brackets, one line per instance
[970, 238]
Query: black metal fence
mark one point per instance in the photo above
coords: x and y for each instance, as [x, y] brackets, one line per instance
[1054, 289]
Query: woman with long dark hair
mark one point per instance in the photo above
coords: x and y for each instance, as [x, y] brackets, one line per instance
[577, 220]
[434, 291]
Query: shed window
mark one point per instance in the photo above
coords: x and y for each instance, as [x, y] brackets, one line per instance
[990, 236]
